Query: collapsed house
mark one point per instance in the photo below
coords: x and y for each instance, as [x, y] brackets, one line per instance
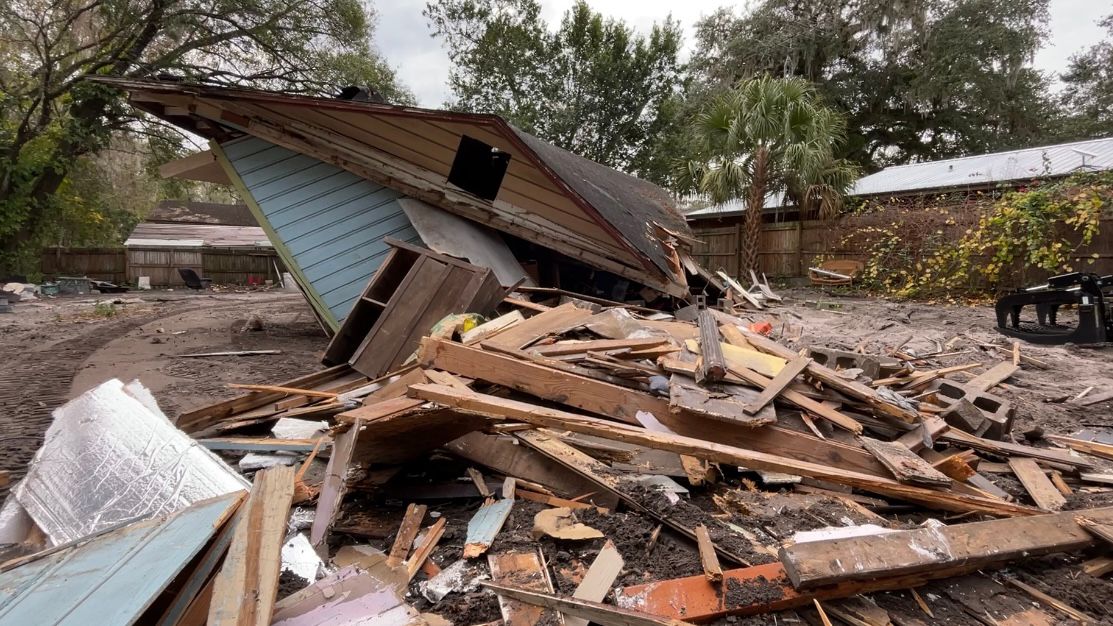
[330, 180]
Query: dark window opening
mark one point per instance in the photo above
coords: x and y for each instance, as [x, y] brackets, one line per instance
[478, 168]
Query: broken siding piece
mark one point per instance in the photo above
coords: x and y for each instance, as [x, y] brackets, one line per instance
[524, 570]
[905, 466]
[485, 525]
[962, 547]
[597, 581]
[1037, 484]
[334, 485]
[247, 584]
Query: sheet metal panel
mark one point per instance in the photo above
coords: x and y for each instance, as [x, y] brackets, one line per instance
[331, 222]
[111, 578]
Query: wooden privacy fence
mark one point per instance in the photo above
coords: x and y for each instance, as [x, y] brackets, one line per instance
[788, 249]
[227, 266]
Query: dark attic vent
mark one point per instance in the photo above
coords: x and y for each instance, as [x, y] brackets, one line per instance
[478, 168]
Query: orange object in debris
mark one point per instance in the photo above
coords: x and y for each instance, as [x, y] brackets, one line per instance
[761, 328]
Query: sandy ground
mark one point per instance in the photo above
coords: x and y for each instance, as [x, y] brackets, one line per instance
[54, 349]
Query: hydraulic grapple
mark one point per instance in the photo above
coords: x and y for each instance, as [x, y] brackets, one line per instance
[1083, 294]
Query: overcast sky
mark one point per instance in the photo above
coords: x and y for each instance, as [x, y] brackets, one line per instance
[403, 34]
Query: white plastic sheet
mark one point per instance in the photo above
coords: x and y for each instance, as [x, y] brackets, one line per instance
[112, 457]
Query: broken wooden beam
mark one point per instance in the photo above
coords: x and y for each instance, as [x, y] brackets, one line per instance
[407, 532]
[501, 408]
[334, 485]
[962, 547]
[778, 384]
[712, 364]
[710, 563]
[247, 584]
[583, 610]
[485, 525]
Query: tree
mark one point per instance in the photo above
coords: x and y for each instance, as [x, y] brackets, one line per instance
[51, 117]
[916, 79]
[1088, 95]
[768, 136]
[593, 86]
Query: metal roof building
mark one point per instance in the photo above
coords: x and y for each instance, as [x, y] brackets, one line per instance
[978, 171]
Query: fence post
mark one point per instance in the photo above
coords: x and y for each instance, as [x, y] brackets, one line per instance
[799, 247]
[738, 250]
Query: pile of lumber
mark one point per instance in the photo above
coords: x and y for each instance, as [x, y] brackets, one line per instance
[578, 462]
[557, 417]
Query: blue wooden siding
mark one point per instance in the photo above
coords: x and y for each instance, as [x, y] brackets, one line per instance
[331, 221]
[114, 577]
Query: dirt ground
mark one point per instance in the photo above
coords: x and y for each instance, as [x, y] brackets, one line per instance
[54, 349]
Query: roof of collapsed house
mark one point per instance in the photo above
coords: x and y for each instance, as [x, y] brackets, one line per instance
[588, 211]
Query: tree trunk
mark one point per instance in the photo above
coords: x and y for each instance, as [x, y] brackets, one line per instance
[755, 202]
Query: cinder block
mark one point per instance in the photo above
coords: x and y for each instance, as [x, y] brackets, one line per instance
[871, 366]
[997, 411]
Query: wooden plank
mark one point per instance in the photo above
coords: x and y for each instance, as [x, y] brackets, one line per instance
[1101, 530]
[712, 364]
[597, 582]
[553, 321]
[334, 485]
[407, 532]
[989, 379]
[778, 384]
[523, 570]
[432, 537]
[259, 444]
[596, 345]
[718, 402]
[711, 568]
[396, 386]
[246, 586]
[963, 439]
[924, 550]
[1042, 597]
[491, 328]
[831, 378]
[1037, 484]
[904, 464]
[293, 391]
[500, 408]
[505, 456]
[619, 403]
[485, 525]
[924, 435]
[583, 611]
[1096, 448]
[1098, 566]
[791, 396]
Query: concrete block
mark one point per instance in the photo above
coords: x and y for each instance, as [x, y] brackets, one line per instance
[872, 366]
[997, 411]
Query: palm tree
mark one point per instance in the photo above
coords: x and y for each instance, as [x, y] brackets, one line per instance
[766, 137]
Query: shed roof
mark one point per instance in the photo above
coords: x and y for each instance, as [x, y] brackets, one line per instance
[971, 171]
[998, 167]
[196, 236]
[190, 212]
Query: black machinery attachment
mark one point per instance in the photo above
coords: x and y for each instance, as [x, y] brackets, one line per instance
[1085, 292]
